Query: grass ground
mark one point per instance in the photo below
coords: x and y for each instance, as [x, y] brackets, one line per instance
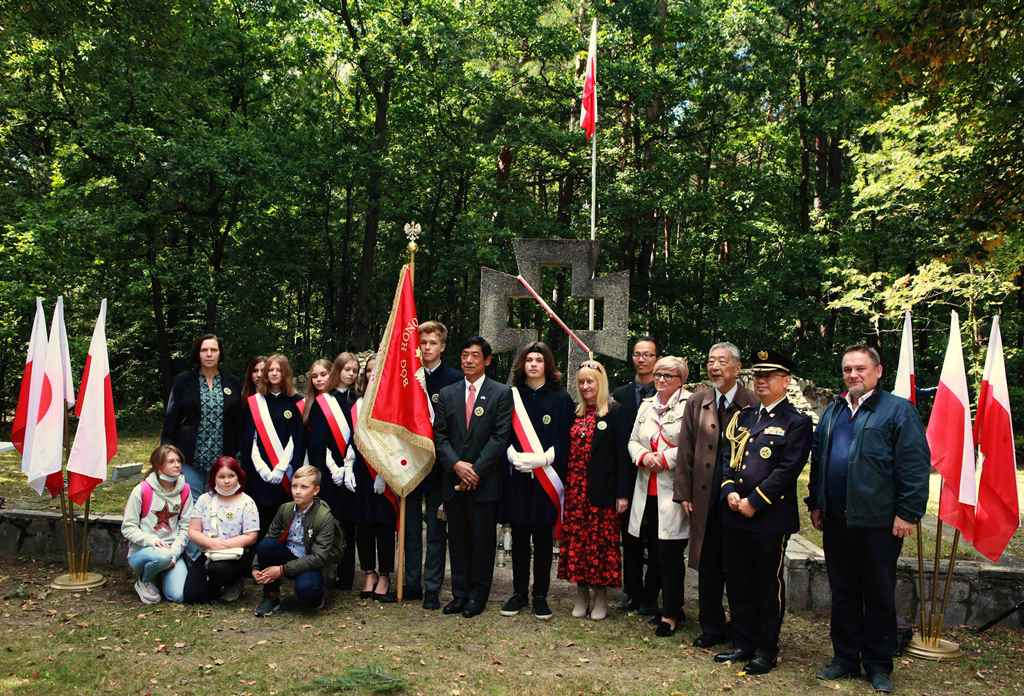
[106, 642]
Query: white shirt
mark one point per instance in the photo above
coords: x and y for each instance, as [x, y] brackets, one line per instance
[476, 388]
[729, 395]
[855, 406]
[770, 407]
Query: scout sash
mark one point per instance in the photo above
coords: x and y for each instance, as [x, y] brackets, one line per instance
[388, 493]
[526, 437]
[336, 422]
[268, 436]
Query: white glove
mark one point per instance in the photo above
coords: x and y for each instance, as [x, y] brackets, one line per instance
[277, 475]
[257, 461]
[549, 456]
[336, 473]
[282, 466]
[528, 461]
[512, 454]
[349, 478]
[350, 456]
[378, 484]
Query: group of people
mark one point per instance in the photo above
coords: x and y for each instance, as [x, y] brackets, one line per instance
[626, 482]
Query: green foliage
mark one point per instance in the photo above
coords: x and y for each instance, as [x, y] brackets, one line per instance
[783, 171]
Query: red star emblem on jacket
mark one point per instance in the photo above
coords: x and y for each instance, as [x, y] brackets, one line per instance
[163, 518]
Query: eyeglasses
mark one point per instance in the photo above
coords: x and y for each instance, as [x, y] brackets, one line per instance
[665, 376]
[645, 356]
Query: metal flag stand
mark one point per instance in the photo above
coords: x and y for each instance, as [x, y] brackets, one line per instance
[928, 643]
[76, 546]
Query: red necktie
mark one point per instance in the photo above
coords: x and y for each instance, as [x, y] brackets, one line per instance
[470, 400]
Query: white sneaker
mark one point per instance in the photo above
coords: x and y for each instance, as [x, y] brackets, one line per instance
[147, 591]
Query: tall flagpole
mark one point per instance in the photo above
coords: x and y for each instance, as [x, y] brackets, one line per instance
[593, 175]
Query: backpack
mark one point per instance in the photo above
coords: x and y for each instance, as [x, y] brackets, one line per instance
[147, 498]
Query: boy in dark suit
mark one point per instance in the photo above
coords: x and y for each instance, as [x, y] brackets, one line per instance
[472, 430]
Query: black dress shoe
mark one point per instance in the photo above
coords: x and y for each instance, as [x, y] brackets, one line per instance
[472, 609]
[386, 598]
[736, 655]
[759, 665]
[431, 601]
[708, 640]
[366, 594]
[837, 669]
[665, 629]
[454, 607]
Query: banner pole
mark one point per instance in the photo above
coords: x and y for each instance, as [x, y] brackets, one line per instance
[593, 203]
[400, 561]
[920, 578]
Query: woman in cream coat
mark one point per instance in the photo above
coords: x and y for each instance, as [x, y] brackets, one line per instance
[661, 524]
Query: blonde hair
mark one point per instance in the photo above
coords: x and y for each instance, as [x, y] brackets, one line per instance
[676, 363]
[340, 362]
[287, 384]
[592, 368]
[159, 457]
[307, 471]
[311, 392]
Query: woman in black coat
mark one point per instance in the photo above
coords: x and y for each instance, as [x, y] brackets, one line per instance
[204, 413]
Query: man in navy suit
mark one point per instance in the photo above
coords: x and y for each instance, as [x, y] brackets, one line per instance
[437, 375]
[472, 430]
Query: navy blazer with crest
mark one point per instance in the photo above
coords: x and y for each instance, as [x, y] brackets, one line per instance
[483, 445]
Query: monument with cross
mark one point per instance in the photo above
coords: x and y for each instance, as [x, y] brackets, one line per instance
[498, 289]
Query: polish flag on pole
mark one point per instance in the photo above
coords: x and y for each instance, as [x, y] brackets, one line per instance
[588, 108]
[906, 380]
[998, 514]
[951, 440]
[96, 436]
[45, 470]
[31, 390]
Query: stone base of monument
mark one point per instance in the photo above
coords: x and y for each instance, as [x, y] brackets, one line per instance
[76, 582]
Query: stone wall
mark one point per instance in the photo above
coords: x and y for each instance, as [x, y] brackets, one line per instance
[979, 591]
[39, 534]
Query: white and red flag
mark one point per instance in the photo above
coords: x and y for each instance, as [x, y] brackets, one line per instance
[588, 107]
[394, 431]
[906, 379]
[96, 436]
[998, 512]
[951, 440]
[45, 469]
[26, 412]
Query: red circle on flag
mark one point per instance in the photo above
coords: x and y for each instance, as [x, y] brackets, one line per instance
[405, 462]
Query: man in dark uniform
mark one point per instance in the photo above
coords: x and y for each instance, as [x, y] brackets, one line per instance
[769, 448]
[433, 338]
[472, 428]
[639, 596]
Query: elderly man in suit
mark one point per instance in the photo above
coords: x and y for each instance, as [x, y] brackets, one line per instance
[472, 428]
[639, 595]
[698, 479]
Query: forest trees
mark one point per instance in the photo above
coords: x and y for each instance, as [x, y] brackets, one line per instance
[781, 170]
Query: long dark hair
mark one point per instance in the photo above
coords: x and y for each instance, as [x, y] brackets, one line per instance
[249, 387]
[551, 374]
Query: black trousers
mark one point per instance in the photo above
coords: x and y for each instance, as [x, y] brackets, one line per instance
[543, 541]
[632, 563]
[206, 579]
[424, 573]
[376, 547]
[757, 591]
[711, 578]
[861, 564]
[472, 539]
[347, 564]
[666, 564]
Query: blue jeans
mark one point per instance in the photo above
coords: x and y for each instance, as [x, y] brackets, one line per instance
[154, 565]
[309, 586]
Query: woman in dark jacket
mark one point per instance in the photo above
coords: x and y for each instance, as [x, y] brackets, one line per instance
[595, 495]
[204, 413]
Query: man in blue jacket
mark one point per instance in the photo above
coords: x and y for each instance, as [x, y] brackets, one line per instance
[869, 487]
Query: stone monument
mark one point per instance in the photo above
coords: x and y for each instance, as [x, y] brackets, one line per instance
[497, 289]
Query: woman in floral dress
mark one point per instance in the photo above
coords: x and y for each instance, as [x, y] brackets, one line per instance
[596, 493]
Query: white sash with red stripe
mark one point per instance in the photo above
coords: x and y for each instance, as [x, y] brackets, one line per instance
[388, 493]
[268, 436]
[526, 436]
[336, 422]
